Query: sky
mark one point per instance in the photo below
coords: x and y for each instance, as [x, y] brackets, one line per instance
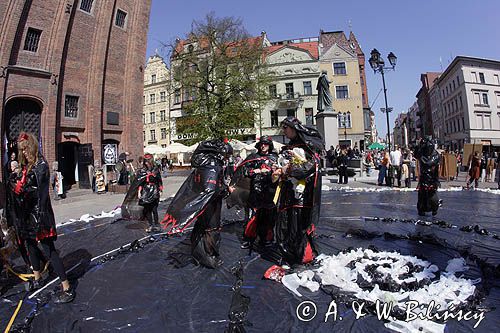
[425, 35]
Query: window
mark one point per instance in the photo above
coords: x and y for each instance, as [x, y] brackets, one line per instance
[307, 88]
[177, 96]
[290, 112]
[485, 99]
[473, 77]
[453, 84]
[153, 78]
[152, 135]
[344, 120]
[498, 99]
[341, 92]
[143, 118]
[120, 18]
[274, 118]
[483, 120]
[71, 106]
[272, 90]
[481, 78]
[152, 98]
[32, 39]
[163, 96]
[144, 98]
[309, 116]
[477, 101]
[458, 81]
[144, 135]
[461, 103]
[497, 79]
[289, 90]
[152, 118]
[163, 133]
[86, 5]
[339, 68]
[162, 115]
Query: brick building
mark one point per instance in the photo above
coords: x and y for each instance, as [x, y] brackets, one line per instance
[72, 73]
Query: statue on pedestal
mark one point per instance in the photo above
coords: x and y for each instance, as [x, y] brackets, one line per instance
[324, 95]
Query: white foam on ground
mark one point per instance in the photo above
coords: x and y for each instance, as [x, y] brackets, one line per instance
[402, 189]
[87, 217]
[445, 291]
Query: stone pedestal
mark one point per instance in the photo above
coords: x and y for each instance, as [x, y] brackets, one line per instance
[327, 124]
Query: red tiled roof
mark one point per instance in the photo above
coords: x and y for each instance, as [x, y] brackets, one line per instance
[311, 47]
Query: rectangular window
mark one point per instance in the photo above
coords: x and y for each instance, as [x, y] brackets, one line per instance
[120, 18]
[274, 118]
[144, 136]
[485, 99]
[477, 100]
[71, 106]
[290, 112]
[153, 78]
[143, 118]
[177, 96]
[152, 118]
[32, 39]
[341, 92]
[152, 98]
[307, 88]
[481, 78]
[473, 77]
[458, 81]
[163, 133]
[339, 68]
[152, 135]
[289, 90]
[498, 99]
[497, 79]
[162, 115]
[309, 116]
[86, 5]
[461, 103]
[163, 96]
[272, 91]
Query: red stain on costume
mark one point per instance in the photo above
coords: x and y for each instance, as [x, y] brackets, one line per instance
[251, 228]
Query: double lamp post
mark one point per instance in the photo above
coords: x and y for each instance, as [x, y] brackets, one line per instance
[378, 65]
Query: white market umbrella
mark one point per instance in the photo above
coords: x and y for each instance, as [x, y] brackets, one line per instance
[176, 148]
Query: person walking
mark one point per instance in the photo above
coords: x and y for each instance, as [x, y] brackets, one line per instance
[150, 187]
[384, 166]
[396, 164]
[35, 222]
[474, 170]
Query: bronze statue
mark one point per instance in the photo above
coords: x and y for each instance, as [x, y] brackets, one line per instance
[324, 95]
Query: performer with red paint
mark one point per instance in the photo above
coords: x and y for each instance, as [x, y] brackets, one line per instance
[199, 202]
[33, 216]
[299, 192]
[150, 186]
[259, 168]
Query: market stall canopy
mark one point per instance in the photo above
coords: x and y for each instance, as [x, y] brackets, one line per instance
[376, 145]
[155, 150]
[177, 147]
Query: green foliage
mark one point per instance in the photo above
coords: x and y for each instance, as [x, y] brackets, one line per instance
[222, 76]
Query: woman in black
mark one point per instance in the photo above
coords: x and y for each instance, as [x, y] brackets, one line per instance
[34, 218]
[150, 186]
[428, 181]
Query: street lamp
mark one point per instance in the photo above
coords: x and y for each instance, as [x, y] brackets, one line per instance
[377, 64]
[345, 116]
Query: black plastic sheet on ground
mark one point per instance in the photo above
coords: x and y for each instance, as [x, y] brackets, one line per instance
[153, 286]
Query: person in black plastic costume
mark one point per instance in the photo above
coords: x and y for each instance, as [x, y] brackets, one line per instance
[33, 216]
[259, 168]
[199, 200]
[150, 186]
[428, 161]
[299, 207]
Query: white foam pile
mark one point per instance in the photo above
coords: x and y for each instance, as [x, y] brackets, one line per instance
[398, 189]
[334, 270]
[87, 217]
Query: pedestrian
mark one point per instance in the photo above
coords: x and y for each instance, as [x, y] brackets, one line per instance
[149, 189]
[259, 168]
[35, 223]
[300, 192]
[474, 170]
[428, 181]
[483, 168]
[56, 182]
[384, 166]
[199, 201]
[396, 164]
[342, 161]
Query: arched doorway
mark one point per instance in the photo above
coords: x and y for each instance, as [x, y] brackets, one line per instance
[67, 156]
[21, 114]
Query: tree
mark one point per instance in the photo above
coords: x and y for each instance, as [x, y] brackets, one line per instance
[221, 73]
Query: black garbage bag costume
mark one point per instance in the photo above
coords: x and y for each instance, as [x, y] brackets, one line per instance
[150, 185]
[428, 161]
[300, 196]
[262, 190]
[199, 200]
[33, 217]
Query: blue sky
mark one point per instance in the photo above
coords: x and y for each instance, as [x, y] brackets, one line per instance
[418, 32]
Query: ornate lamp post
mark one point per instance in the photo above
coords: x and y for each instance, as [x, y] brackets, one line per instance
[377, 64]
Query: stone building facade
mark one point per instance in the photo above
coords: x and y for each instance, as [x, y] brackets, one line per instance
[72, 74]
[156, 112]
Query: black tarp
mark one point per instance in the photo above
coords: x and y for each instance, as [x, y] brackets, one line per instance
[155, 287]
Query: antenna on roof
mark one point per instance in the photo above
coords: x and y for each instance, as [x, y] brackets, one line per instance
[350, 25]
